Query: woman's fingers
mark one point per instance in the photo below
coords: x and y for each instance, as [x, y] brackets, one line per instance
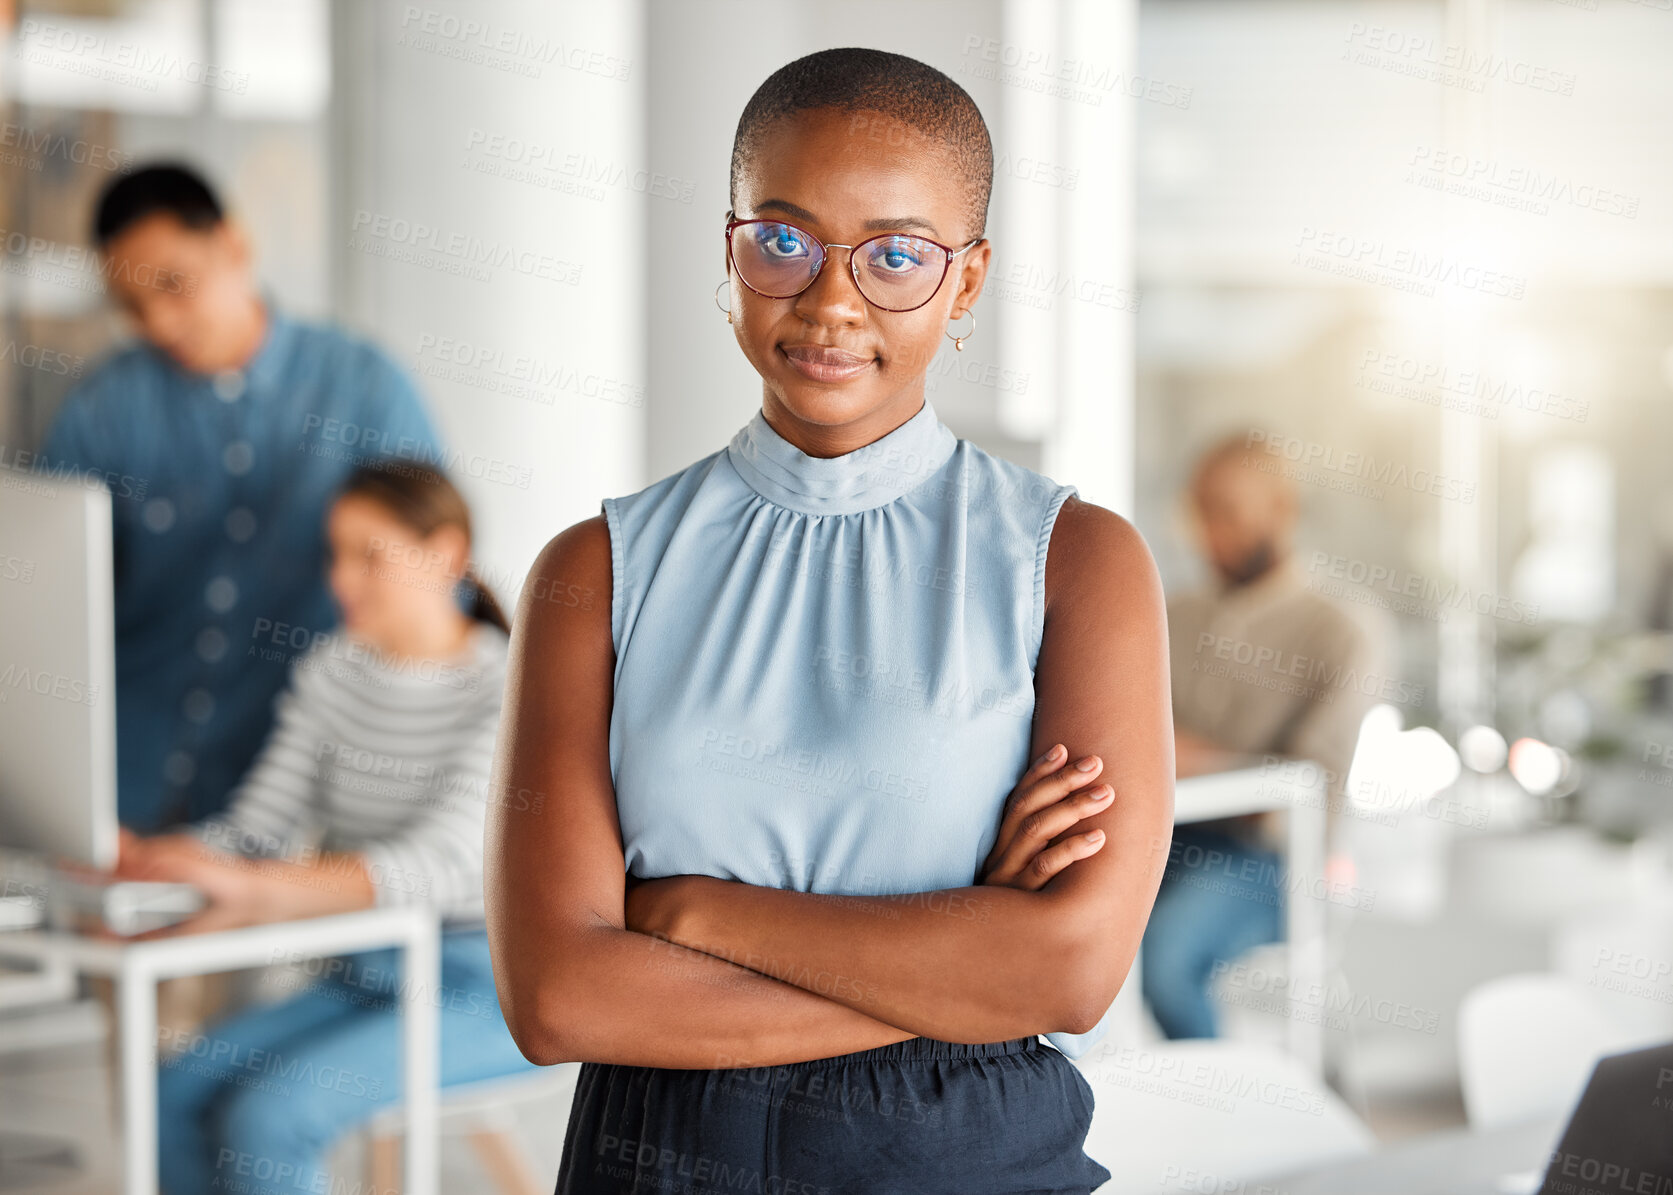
[1036, 829]
[1031, 796]
[1055, 859]
[1045, 803]
[1047, 782]
[1015, 810]
[1051, 785]
[1053, 758]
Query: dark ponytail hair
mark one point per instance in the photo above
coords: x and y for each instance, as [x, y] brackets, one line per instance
[422, 498]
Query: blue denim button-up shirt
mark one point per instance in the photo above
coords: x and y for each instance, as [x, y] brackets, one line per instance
[220, 490]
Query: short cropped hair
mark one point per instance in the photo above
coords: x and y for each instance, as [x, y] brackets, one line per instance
[854, 79]
[160, 187]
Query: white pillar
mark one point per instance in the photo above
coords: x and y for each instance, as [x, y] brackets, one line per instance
[513, 135]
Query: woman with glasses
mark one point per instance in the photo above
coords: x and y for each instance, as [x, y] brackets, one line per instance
[863, 733]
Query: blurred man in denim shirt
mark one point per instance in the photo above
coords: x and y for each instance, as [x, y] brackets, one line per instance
[230, 426]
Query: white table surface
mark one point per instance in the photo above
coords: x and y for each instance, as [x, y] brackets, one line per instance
[136, 966]
[1211, 1116]
[1456, 1162]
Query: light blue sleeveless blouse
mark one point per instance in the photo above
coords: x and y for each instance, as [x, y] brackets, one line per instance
[825, 665]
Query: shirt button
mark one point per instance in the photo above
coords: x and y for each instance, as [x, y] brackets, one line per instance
[238, 457]
[221, 594]
[211, 644]
[240, 524]
[199, 705]
[179, 767]
[229, 385]
[159, 514]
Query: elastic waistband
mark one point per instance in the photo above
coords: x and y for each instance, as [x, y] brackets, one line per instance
[914, 1048]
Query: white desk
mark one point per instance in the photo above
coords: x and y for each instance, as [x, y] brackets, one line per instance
[1300, 793]
[136, 966]
[1212, 1116]
[1454, 1162]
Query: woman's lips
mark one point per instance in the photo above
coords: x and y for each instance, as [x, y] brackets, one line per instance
[822, 364]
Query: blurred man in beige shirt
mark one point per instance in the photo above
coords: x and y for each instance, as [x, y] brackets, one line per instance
[1261, 665]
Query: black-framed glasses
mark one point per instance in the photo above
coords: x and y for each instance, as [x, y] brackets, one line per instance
[893, 271]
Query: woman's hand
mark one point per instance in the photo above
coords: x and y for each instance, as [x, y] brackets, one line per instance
[140, 857]
[228, 881]
[1049, 799]
[130, 852]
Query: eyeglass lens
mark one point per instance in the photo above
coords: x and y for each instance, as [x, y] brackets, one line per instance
[896, 272]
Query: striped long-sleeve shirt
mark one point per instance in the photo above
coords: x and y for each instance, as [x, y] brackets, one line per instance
[386, 758]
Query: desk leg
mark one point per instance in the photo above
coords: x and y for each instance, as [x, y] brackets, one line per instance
[136, 1004]
[1305, 926]
[420, 1027]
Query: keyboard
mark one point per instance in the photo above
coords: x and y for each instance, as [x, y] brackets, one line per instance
[124, 907]
[36, 891]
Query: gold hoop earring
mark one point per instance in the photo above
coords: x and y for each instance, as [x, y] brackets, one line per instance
[958, 341]
[727, 311]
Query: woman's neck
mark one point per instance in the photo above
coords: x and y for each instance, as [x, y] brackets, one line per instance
[831, 440]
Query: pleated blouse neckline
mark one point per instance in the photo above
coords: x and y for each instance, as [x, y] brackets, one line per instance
[871, 476]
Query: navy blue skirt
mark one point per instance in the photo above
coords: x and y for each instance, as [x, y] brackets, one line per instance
[915, 1117]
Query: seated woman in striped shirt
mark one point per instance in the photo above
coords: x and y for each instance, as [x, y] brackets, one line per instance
[370, 790]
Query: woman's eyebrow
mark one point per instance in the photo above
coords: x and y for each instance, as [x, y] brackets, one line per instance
[789, 209]
[900, 222]
[883, 225]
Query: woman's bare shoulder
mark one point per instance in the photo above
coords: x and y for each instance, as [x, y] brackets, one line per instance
[571, 576]
[1094, 551]
[579, 551]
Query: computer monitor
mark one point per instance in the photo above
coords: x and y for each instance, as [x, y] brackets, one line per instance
[57, 669]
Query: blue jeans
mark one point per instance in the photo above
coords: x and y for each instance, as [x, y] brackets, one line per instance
[252, 1103]
[1219, 897]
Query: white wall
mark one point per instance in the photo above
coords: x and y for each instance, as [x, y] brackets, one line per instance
[516, 129]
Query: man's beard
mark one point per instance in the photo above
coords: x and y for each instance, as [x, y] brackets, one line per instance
[1254, 564]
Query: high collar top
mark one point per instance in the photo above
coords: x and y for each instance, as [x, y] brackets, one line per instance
[871, 476]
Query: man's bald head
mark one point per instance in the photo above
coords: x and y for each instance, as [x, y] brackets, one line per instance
[1246, 508]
